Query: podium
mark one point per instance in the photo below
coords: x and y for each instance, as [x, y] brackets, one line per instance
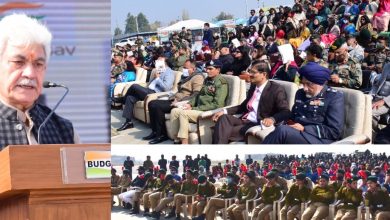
[32, 184]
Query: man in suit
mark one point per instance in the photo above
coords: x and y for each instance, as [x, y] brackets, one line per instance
[162, 82]
[318, 113]
[266, 104]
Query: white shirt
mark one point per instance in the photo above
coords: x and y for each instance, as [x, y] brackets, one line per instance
[252, 116]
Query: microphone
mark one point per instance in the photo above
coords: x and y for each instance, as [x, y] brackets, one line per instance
[47, 84]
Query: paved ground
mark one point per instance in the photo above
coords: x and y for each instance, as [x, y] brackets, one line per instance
[132, 135]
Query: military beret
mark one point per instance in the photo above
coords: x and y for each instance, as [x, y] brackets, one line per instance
[148, 175]
[325, 177]
[190, 172]
[300, 176]
[141, 168]
[275, 170]
[118, 53]
[341, 171]
[214, 63]
[337, 44]
[202, 179]
[354, 178]
[162, 171]
[315, 73]
[270, 175]
[169, 177]
[372, 178]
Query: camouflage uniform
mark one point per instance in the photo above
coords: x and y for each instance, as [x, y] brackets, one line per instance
[350, 74]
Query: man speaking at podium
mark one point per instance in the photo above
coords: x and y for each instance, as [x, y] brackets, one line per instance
[25, 46]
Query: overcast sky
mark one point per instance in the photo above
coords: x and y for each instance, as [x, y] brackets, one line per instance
[169, 10]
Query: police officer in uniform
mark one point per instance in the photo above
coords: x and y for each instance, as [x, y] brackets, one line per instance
[246, 191]
[339, 180]
[227, 191]
[321, 197]
[205, 189]
[345, 70]
[377, 199]
[297, 194]
[171, 188]
[188, 188]
[350, 197]
[212, 96]
[270, 193]
[318, 113]
[152, 198]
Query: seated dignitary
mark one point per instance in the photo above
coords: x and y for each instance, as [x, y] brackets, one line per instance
[377, 199]
[227, 191]
[205, 189]
[189, 86]
[350, 198]
[297, 194]
[246, 191]
[270, 193]
[169, 192]
[25, 46]
[318, 113]
[162, 82]
[321, 197]
[212, 96]
[266, 104]
[188, 188]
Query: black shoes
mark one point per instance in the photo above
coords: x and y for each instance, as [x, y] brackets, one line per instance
[156, 215]
[177, 216]
[150, 136]
[170, 215]
[159, 139]
[125, 126]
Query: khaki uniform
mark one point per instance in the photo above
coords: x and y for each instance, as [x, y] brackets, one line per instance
[115, 180]
[151, 199]
[245, 192]
[268, 196]
[123, 183]
[188, 88]
[350, 199]
[226, 192]
[188, 188]
[336, 185]
[202, 193]
[294, 198]
[260, 181]
[212, 96]
[170, 192]
[350, 73]
[379, 203]
[320, 200]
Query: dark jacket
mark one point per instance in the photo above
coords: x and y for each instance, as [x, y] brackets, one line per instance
[226, 61]
[273, 103]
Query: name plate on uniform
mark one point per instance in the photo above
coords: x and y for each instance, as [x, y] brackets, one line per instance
[97, 164]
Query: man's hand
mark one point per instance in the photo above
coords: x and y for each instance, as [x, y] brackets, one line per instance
[335, 78]
[268, 122]
[378, 104]
[216, 116]
[187, 106]
[297, 126]
[173, 103]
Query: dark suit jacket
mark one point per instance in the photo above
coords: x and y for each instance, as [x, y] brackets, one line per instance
[273, 103]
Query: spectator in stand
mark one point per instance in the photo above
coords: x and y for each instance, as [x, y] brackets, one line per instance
[128, 164]
[208, 35]
[241, 61]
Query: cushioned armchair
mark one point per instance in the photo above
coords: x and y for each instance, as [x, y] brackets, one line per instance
[200, 133]
[140, 78]
[141, 111]
[256, 135]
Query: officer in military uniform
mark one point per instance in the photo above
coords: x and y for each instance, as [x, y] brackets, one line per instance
[321, 197]
[152, 198]
[212, 96]
[350, 197]
[205, 189]
[188, 188]
[271, 192]
[119, 66]
[339, 180]
[246, 191]
[377, 199]
[171, 188]
[297, 194]
[227, 191]
[318, 113]
[345, 71]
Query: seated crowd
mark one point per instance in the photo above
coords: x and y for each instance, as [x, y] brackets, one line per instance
[317, 182]
[320, 45]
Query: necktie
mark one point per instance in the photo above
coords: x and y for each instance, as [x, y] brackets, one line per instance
[250, 103]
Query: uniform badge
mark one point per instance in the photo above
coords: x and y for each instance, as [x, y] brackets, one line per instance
[211, 89]
[317, 102]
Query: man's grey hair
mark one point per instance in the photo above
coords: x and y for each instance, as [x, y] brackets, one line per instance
[21, 30]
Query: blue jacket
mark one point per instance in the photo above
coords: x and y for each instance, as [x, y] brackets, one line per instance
[208, 35]
[167, 78]
[322, 115]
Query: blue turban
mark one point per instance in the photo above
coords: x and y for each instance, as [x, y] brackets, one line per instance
[315, 73]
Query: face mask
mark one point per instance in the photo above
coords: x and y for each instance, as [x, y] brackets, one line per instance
[185, 73]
